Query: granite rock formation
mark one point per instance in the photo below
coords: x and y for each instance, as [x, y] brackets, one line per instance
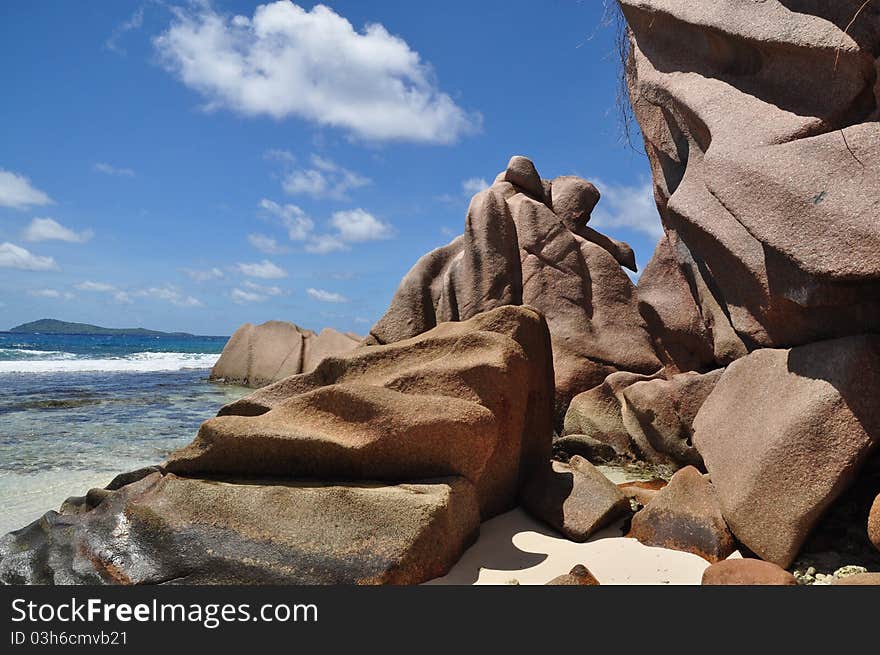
[205, 531]
[747, 572]
[685, 515]
[376, 467]
[526, 241]
[574, 498]
[760, 125]
[257, 355]
[644, 417]
[785, 432]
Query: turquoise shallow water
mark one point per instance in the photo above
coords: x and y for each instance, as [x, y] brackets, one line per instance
[65, 428]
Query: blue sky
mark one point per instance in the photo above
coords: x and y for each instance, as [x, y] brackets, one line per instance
[192, 166]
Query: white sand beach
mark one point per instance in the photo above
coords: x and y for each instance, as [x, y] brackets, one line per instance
[513, 548]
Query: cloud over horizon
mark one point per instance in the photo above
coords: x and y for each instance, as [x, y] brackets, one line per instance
[284, 62]
[48, 229]
[13, 256]
[16, 191]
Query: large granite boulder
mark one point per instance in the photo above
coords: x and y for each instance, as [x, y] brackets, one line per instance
[784, 433]
[165, 529]
[748, 572]
[574, 498]
[470, 398]
[526, 241]
[257, 355]
[376, 467]
[760, 125]
[646, 417]
[685, 515]
[688, 327]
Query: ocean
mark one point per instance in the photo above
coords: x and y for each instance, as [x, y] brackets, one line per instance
[75, 410]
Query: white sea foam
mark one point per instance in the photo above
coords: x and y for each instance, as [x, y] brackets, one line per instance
[36, 354]
[144, 362]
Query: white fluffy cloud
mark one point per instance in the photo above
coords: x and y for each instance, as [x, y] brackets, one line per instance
[326, 296]
[625, 206]
[169, 294]
[16, 191]
[204, 275]
[47, 229]
[102, 287]
[325, 179]
[285, 61]
[294, 219]
[13, 256]
[349, 226]
[107, 169]
[264, 269]
[52, 293]
[356, 225]
[266, 244]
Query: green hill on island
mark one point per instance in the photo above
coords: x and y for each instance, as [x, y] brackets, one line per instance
[51, 326]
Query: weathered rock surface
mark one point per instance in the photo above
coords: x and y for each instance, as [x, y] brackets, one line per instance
[784, 432]
[472, 398]
[574, 498]
[685, 515]
[376, 467]
[747, 572]
[760, 124]
[257, 355]
[164, 529]
[598, 413]
[648, 417]
[517, 250]
[683, 338]
[579, 576]
[874, 523]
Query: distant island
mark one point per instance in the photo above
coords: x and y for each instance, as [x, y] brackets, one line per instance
[51, 326]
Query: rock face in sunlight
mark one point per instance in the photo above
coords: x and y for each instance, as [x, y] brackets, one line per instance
[257, 355]
[760, 122]
[470, 399]
[164, 529]
[744, 366]
[376, 467]
[685, 515]
[526, 242]
[784, 432]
